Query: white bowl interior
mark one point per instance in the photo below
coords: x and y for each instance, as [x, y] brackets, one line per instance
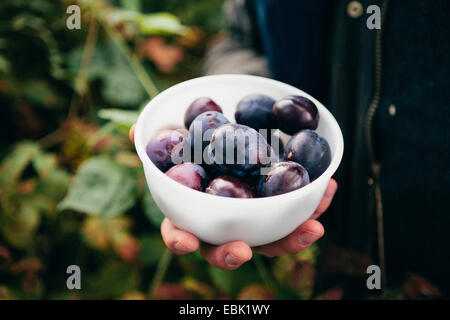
[256, 221]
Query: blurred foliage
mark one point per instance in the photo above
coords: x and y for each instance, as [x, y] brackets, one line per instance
[72, 190]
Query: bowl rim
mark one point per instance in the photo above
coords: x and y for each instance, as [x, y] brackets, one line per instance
[141, 145]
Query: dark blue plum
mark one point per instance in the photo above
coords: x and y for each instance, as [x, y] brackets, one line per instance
[255, 111]
[294, 113]
[274, 140]
[189, 174]
[283, 177]
[227, 186]
[310, 150]
[201, 131]
[239, 150]
[198, 106]
[166, 143]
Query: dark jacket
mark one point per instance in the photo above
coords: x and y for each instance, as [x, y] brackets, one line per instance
[322, 48]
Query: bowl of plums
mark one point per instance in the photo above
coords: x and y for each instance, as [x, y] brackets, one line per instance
[237, 157]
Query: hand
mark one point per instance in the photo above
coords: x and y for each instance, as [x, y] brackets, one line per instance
[233, 254]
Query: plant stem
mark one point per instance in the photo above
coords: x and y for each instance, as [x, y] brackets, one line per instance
[81, 78]
[102, 132]
[51, 139]
[161, 270]
[135, 64]
[264, 274]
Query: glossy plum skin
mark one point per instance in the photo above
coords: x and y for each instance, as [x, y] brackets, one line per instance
[310, 150]
[198, 130]
[199, 106]
[227, 186]
[283, 177]
[249, 150]
[255, 111]
[165, 143]
[271, 138]
[294, 113]
[189, 174]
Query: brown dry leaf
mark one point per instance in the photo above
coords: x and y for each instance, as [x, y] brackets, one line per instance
[5, 254]
[5, 293]
[95, 232]
[200, 289]
[167, 291]
[126, 246]
[255, 292]
[134, 295]
[128, 159]
[27, 121]
[342, 260]
[192, 38]
[165, 57]
[417, 287]
[27, 265]
[27, 186]
[298, 275]
[332, 294]
[77, 146]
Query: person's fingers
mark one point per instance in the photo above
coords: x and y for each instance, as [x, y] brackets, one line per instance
[305, 235]
[228, 256]
[178, 241]
[131, 133]
[326, 200]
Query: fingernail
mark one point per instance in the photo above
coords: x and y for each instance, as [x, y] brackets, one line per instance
[307, 238]
[179, 247]
[232, 261]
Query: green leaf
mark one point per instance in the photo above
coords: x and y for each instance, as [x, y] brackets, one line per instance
[151, 250]
[162, 23]
[122, 88]
[151, 210]
[221, 278]
[120, 116]
[54, 184]
[41, 93]
[231, 282]
[44, 163]
[134, 5]
[100, 62]
[112, 281]
[5, 65]
[101, 188]
[16, 161]
[19, 229]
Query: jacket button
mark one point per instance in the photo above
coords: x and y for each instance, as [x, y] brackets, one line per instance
[354, 9]
[392, 110]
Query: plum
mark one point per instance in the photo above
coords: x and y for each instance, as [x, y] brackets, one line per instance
[283, 177]
[227, 186]
[239, 150]
[255, 111]
[189, 174]
[310, 150]
[198, 106]
[201, 130]
[273, 138]
[166, 143]
[294, 113]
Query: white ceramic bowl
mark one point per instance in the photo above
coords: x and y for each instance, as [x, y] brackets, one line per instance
[215, 219]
